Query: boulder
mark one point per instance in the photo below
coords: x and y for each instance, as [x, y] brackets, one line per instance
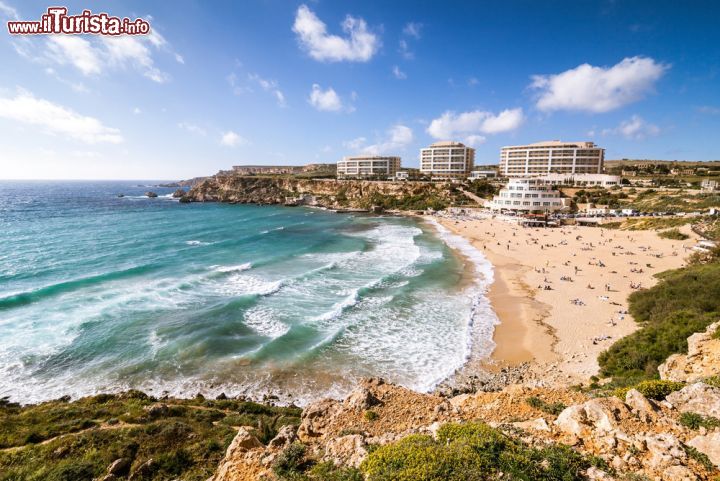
[708, 444]
[157, 410]
[538, 424]
[361, 399]
[150, 194]
[347, 450]
[119, 467]
[145, 470]
[179, 193]
[242, 442]
[316, 418]
[284, 438]
[664, 450]
[678, 473]
[238, 462]
[640, 405]
[697, 398]
[701, 361]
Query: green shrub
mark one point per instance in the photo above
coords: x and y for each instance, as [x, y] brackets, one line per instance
[327, 471]
[673, 234]
[654, 389]
[291, 462]
[684, 302]
[696, 421]
[72, 471]
[471, 452]
[537, 403]
[701, 458]
[370, 415]
[713, 381]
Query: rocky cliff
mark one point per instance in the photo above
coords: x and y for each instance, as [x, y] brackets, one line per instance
[661, 431]
[329, 193]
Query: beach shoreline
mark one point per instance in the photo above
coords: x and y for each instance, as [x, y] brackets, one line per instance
[560, 294]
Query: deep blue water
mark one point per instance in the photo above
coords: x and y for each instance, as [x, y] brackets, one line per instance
[101, 293]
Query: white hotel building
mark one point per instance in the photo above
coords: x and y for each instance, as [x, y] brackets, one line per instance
[529, 195]
[368, 166]
[551, 157]
[447, 160]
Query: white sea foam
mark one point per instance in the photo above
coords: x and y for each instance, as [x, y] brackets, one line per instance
[198, 243]
[263, 320]
[238, 268]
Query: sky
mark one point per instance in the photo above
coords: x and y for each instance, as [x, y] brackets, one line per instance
[219, 83]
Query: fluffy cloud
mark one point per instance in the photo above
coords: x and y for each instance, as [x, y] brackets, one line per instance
[95, 55]
[396, 138]
[325, 100]
[56, 119]
[231, 139]
[450, 125]
[192, 128]
[412, 29]
[359, 45]
[635, 128]
[474, 140]
[598, 89]
[399, 74]
[269, 85]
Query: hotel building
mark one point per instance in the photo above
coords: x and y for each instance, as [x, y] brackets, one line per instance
[551, 157]
[529, 195]
[447, 160]
[582, 180]
[363, 166]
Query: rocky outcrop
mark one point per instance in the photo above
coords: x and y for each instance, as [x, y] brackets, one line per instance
[701, 361]
[708, 444]
[331, 193]
[151, 194]
[697, 398]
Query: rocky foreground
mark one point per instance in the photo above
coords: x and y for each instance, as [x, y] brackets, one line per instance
[657, 436]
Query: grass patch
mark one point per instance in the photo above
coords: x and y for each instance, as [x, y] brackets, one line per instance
[685, 301]
[653, 389]
[295, 464]
[472, 451]
[370, 415]
[549, 408]
[697, 421]
[61, 440]
[673, 234]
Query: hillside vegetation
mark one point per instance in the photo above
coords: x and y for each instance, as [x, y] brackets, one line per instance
[170, 439]
[685, 301]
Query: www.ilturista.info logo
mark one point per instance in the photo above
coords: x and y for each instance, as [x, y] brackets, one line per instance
[57, 21]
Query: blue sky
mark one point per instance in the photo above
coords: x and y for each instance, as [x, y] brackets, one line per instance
[272, 82]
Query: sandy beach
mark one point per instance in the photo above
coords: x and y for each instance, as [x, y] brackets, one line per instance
[561, 293]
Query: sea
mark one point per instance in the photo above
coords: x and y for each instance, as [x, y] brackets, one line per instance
[102, 293]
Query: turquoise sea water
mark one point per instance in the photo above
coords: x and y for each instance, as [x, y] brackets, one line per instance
[101, 293]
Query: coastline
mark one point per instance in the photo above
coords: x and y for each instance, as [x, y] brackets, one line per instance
[542, 338]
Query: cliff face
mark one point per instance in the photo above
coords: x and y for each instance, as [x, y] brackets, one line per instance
[321, 192]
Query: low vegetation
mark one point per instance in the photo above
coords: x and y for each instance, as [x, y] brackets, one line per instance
[162, 440]
[697, 421]
[295, 464]
[673, 234]
[653, 389]
[544, 406]
[472, 451]
[684, 302]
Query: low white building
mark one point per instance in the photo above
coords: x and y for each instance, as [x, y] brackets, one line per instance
[402, 175]
[708, 185]
[368, 166]
[585, 180]
[529, 195]
[483, 174]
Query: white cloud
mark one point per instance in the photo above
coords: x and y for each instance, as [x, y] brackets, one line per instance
[399, 74]
[474, 140]
[396, 138]
[359, 45]
[412, 29]
[95, 55]
[325, 100]
[450, 125]
[231, 139]
[598, 89]
[76, 51]
[268, 85]
[56, 119]
[709, 109]
[192, 128]
[635, 128]
[472, 81]
[137, 111]
[404, 50]
[8, 11]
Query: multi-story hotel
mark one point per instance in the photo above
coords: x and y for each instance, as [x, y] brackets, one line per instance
[447, 160]
[364, 166]
[551, 157]
[529, 195]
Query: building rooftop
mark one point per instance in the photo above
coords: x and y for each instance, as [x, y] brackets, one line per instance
[447, 143]
[555, 143]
